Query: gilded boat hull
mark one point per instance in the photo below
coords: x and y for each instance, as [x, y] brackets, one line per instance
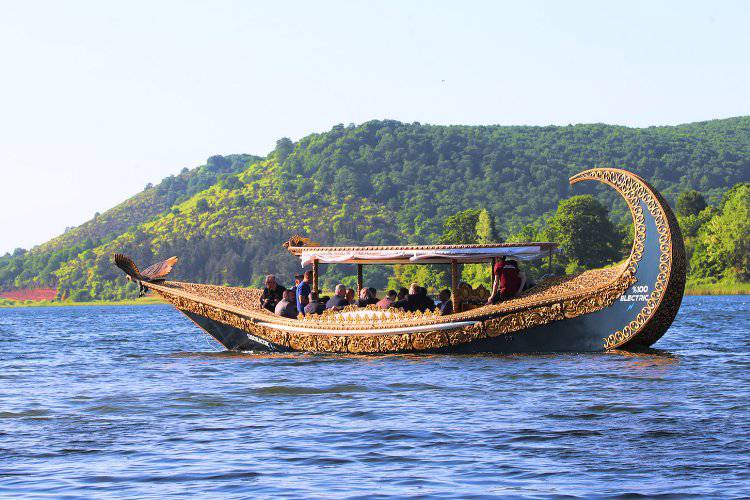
[628, 306]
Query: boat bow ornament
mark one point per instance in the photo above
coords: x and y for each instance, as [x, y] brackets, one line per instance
[626, 306]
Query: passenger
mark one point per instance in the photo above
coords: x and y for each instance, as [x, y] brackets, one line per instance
[338, 301]
[425, 302]
[314, 305]
[522, 276]
[286, 307]
[414, 301]
[506, 281]
[303, 292]
[402, 293]
[445, 305]
[390, 298]
[366, 298]
[272, 293]
[297, 281]
[374, 292]
[351, 296]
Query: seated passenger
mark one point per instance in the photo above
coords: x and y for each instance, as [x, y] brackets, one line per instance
[388, 301]
[402, 293]
[314, 306]
[338, 301]
[286, 306]
[351, 296]
[366, 298]
[445, 305]
[272, 293]
[416, 300]
[425, 302]
[506, 281]
[522, 276]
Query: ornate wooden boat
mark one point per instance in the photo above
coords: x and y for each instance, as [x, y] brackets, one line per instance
[627, 306]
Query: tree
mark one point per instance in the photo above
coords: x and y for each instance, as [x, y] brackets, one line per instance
[584, 232]
[722, 249]
[284, 148]
[218, 163]
[690, 203]
[485, 228]
[400, 182]
[202, 205]
[460, 228]
[433, 277]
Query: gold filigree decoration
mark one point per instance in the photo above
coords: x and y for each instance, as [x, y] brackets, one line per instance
[299, 241]
[635, 190]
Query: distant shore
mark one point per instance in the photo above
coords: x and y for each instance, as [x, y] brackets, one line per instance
[718, 289]
[143, 301]
[707, 289]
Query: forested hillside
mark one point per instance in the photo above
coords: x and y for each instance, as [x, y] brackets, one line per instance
[377, 183]
[36, 268]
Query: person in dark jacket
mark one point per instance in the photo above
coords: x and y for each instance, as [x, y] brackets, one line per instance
[272, 293]
[338, 301]
[286, 306]
[366, 298]
[425, 302]
[446, 304]
[416, 300]
[314, 306]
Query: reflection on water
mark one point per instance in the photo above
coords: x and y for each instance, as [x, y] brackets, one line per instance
[136, 401]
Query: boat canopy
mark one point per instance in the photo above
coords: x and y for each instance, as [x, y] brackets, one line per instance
[422, 254]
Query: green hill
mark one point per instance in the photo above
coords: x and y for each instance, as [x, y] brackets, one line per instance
[377, 183]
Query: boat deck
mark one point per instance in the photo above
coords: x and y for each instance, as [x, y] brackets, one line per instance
[246, 301]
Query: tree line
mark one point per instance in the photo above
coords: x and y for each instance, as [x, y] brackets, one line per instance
[386, 182]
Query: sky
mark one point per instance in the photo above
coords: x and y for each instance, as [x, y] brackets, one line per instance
[97, 99]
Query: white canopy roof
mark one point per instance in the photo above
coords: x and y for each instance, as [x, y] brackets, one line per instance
[427, 254]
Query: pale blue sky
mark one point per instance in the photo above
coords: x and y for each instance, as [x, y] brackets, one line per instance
[99, 98]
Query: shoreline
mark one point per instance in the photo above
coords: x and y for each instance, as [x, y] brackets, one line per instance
[144, 301]
[702, 290]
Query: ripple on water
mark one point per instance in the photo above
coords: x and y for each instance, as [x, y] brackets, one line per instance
[136, 402]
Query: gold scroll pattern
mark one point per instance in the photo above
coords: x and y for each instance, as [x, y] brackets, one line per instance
[373, 342]
[552, 290]
[656, 316]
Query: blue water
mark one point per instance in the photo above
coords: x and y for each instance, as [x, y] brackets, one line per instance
[137, 402]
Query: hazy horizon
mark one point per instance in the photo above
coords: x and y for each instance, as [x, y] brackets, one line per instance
[101, 101]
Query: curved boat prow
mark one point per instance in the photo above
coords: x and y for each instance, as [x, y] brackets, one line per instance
[657, 260]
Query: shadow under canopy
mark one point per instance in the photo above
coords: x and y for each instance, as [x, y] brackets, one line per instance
[312, 253]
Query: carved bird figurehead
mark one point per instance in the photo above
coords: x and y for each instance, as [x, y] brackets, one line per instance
[152, 274]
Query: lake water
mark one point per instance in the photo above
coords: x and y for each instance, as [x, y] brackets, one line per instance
[137, 402]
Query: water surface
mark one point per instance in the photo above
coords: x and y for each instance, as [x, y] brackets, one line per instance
[137, 402]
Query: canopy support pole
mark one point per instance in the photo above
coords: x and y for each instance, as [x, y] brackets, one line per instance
[359, 279]
[454, 286]
[315, 276]
[549, 262]
[492, 269]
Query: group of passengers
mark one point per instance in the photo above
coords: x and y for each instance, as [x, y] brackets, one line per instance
[301, 299]
[507, 281]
